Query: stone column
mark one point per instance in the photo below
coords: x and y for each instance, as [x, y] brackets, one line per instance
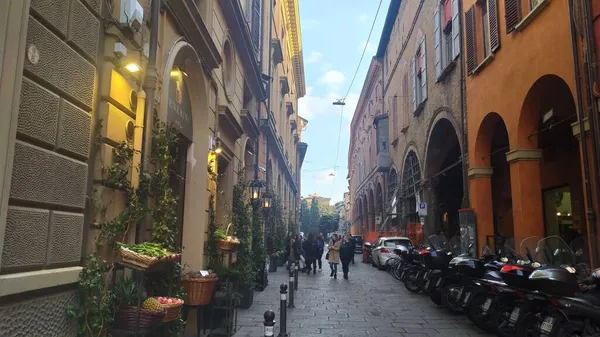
[432, 220]
[528, 215]
[480, 188]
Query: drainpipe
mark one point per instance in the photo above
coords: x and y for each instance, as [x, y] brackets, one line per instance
[466, 202]
[591, 217]
[150, 84]
[592, 81]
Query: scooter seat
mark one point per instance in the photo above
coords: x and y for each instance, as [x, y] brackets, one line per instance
[493, 276]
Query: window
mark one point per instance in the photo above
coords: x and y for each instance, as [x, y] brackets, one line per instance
[482, 34]
[405, 107]
[419, 75]
[396, 120]
[517, 10]
[446, 35]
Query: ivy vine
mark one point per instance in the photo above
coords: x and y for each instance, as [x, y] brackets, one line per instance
[95, 310]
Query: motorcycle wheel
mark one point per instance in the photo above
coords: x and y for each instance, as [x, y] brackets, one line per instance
[449, 302]
[501, 317]
[411, 282]
[436, 296]
[527, 325]
[397, 272]
[474, 313]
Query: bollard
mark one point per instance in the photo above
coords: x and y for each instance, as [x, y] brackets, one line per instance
[291, 288]
[269, 323]
[296, 275]
[283, 311]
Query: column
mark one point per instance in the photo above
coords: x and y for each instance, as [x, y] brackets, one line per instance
[480, 194]
[528, 216]
[432, 220]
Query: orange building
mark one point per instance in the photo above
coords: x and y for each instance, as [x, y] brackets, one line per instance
[525, 109]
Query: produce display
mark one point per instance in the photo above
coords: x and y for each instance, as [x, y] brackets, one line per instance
[169, 300]
[146, 254]
[148, 249]
[153, 305]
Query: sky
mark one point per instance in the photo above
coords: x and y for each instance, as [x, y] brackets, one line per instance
[334, 35]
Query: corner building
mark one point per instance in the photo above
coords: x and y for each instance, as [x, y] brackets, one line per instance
[525, 117]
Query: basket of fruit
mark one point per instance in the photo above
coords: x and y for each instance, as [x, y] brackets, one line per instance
[171, 305]
[199, 289]
[224, 241]
[146, 254]
[126, 318]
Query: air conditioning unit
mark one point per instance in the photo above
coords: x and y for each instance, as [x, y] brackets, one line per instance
[132, 14]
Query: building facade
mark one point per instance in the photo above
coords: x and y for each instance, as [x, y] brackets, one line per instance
[530, 160]
[416, 148]
[85, 85]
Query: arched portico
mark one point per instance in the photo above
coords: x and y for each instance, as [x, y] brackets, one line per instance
[411, 189]
[183, 76]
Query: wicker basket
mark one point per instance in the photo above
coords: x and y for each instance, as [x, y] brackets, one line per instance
[144, 261]
[171, 311]
[199, 290]
[126, 319]
[227, 245]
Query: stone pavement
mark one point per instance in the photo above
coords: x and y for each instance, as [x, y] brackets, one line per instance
[371, 303]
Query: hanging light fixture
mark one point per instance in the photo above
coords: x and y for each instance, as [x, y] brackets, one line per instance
[255, 187]
[267, 201]
[218, 148]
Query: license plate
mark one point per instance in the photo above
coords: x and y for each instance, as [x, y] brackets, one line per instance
[460, 292]
[514, 315]
[439, 281]
[486, 305]
[547, 324]
[467, 297]
[427, 284]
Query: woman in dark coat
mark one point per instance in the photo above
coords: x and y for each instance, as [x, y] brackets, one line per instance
[346, 254]
[311, 253]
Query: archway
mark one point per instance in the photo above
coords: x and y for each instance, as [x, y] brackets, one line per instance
[444, 178]
[371, 211]
[379, 206]
[545, 125]
[365, 213]
[411, 187]
[182, 59]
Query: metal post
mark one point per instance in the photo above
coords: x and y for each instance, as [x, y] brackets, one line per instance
[283, 311]
[291, 287]
[296, 275]
[269, 323]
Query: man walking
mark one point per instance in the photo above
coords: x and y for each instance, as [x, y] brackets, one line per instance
[320, 245]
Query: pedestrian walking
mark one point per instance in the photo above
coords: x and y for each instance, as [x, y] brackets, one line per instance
[346, 254]
[320, 243]
[333, 254]
[311, 251]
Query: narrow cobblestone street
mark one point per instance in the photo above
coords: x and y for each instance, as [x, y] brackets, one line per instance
[371, 303]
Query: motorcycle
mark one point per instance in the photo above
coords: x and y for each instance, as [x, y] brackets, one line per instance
[439, 267]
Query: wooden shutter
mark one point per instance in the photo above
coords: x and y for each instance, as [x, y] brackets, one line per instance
[396, 114]
[413, 78]
[470, 40]
[494, 26]
[256, 23]
[423, 72]
[405, 111]
[456, 45]
[512, 14]
[436, 43]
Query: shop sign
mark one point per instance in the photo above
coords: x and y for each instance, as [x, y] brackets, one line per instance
[179, 106]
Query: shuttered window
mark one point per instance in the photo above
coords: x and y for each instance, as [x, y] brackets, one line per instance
[405, 106]
[471, 41]
[512, 14]
[397, 116]
[419, 76]
[446, 37]
[494, 26]
[485, 26]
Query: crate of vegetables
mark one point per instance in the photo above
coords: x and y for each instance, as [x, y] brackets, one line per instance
[145, 255]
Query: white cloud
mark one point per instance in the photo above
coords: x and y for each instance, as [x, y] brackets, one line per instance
[371, 48]
[314, 57]
[332, 78]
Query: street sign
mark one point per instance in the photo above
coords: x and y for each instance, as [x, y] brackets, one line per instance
[422, 209]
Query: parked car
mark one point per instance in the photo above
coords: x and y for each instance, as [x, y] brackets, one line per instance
[384, 249]
[359, 242]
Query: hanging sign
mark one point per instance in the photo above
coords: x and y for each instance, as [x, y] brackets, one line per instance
[179, 106]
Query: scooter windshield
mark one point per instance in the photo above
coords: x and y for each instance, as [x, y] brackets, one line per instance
[455, 246]
[554, 251]
[438, 242]
[528, 248]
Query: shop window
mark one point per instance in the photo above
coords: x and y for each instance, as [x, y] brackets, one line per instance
[562, 215]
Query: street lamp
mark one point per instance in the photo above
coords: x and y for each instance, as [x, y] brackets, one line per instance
[339, 102]
[267, 201]
[255, 189]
